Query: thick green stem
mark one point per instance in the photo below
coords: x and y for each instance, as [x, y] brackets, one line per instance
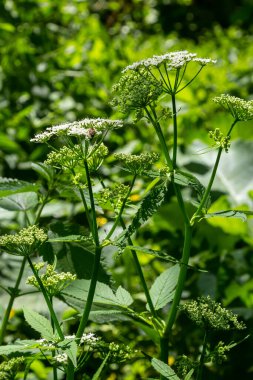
[178, 293]
[14, 294]
[47, 299]
[92, 204]
[198, 213]
[174, 111]
[93, 283]
[202, 357]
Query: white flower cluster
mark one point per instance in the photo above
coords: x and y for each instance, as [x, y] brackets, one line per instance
[61, 358]
[86, 128]
[89, 339]
[174, 60]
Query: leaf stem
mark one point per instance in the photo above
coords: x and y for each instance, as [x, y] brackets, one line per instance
[13, 295]
[178, 293]
[47, 299]
[202, 357]
[211, 180]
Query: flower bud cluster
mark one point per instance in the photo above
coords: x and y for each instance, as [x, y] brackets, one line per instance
[114, 196]
[54, 282]
[219, 354]
[220, 140]
[24, 242]
[65, 157]
[120, 352]
[85, 129]
[210, 315]
[136, 91]
[9, 367]
[61, 358]
[240, 109]
[137, 164]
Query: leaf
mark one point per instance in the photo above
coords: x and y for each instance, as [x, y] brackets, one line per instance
[241, 214]
[103, 294]
[71, 238]
[160, 254]
[72, 352]
[187, 179]
[189, 374]
[13, 348]
[45, 171]
[148, 207]
[101, 367]
[108, 315]
[39, 324]
[19, 202]
[9, 186]
[124, 297]
[162, 290]
[164, 369]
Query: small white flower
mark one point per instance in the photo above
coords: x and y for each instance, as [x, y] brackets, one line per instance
[61, 358]
[89, 338]
[174, 60]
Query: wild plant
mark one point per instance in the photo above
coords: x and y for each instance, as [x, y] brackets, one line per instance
[78, 162]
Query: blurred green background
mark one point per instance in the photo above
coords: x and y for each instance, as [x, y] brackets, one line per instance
[58, 62]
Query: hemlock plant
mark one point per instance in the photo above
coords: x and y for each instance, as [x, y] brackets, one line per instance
[76, 153]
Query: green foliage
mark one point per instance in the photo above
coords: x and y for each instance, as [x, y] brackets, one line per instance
[164, 369]
[163, 289]
[39, 324]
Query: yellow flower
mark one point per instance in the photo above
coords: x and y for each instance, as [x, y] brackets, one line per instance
[101, 221]
[135, 197]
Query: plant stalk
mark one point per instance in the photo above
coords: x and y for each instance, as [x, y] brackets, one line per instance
[202, 357]
[11, 301]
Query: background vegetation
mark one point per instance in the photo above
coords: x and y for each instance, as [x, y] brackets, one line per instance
[58, 62]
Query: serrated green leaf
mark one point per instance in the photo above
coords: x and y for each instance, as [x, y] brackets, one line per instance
[183, 178]
[45, 171]
[148, 207]
[160, 254]
[163, 289]
[71, 351]
[241, 214]
[124, 297]
[20, 201]
[39, 324]
[108, 315]
[12, 348]
[104, 295]
[9, 186]
[164, 369]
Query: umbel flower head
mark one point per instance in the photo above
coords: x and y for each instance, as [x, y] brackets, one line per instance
[84, 129]
[54, 282]
[25, 242]
[173, 61]
[65, 157]
[240, 109]
[207, 313]
[169, 69]
[220, 140]
[137, 164]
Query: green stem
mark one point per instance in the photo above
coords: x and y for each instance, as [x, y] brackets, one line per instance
[174, 111]
[161, 138]
[53, 353]
[141, 276]
[93, 283]
[70, 371]
[92, 204]
[178, 293]
[202, 357]
[198, 213]
[14, 294]
[47, 299]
